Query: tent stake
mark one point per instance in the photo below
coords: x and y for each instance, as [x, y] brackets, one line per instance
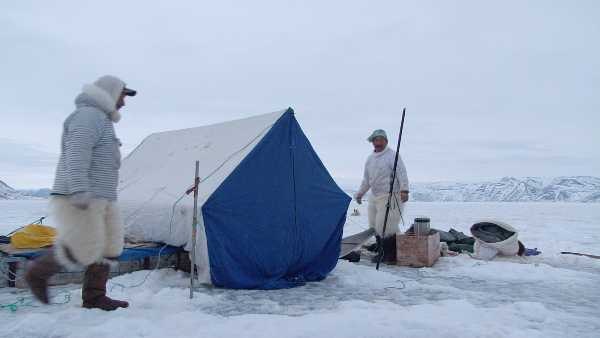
[389, 201]
[194, 226]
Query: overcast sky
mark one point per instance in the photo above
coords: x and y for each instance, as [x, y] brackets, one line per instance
[492, 88]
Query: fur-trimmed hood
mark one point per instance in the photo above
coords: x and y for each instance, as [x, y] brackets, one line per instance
[103, 94]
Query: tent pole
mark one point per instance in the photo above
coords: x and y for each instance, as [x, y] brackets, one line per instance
[389, 201]
[194, 226]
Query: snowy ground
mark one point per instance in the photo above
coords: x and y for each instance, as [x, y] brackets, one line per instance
[546, 296]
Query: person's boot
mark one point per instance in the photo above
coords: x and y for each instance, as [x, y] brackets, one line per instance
[94, 289]
[38, 274]
[389, 248]
[378, 247]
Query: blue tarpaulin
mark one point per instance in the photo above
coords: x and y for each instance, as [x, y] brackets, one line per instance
[276, 221]
[128, 254]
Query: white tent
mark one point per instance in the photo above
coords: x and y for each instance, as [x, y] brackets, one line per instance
[156, 175]
[159, 171]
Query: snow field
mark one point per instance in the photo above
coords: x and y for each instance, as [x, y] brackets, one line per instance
[550, 295]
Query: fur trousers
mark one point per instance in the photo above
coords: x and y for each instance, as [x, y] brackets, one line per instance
[377, 206]
[86, 236]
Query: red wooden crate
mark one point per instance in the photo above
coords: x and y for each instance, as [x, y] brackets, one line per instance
[417, 251]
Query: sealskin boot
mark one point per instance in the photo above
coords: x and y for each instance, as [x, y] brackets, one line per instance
[377, 248]
[389, 249]
[94, 289]
[38, 274]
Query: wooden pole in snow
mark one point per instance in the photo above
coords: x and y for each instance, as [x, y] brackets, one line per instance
[389, 201]
[194, 226]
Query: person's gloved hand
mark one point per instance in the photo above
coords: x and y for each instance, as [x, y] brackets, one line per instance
[532, 252]
[404, 196]
[81, 200]
[358, 198]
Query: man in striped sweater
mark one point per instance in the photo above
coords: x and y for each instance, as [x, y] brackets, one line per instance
[83, 203]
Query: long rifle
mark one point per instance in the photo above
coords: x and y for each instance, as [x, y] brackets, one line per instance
[580, 254]
[194, 226]
[389, 201]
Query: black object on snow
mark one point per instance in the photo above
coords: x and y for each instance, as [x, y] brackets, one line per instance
[352, 257]
[456, 240]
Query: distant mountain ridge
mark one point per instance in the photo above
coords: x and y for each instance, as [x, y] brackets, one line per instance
[9, 193]
[35, 193]
[585, 189]
[581, 189]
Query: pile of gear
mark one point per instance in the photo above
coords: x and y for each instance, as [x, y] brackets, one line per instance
[488, 240]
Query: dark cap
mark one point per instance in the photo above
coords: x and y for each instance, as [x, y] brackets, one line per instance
[129, 92]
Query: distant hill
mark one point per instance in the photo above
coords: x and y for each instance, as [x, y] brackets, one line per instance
[38, 193]
[510, 189]
[585, 189]
[8, 193]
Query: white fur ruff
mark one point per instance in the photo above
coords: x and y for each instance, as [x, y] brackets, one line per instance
[107, 102]
[90, 235]
[115, 116]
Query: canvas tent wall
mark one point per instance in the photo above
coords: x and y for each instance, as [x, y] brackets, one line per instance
[270, 214]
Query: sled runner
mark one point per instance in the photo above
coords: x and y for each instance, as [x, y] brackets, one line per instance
[580, 254]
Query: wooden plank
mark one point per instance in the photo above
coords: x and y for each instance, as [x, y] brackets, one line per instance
[355, 241]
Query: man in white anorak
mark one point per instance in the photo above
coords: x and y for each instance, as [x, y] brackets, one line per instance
[377, 178]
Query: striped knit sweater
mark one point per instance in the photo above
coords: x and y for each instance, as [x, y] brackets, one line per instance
[90, 156]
